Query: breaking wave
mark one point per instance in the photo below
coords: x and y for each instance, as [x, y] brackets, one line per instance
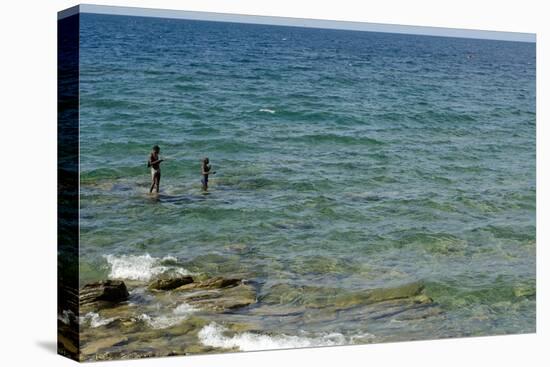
[141, 267]
[94, 320]
[179, 314]
[213, 335]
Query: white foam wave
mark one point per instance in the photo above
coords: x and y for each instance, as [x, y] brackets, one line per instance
[267, 110]
[140, 267]
[179, 314]
[95, 320]
[213, 335]
[185, 309]
[159, 322]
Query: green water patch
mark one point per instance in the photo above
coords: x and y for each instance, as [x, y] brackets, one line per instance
[432, 242]
[99, 174]
[466, 169]
[92, 271]
[357, 236]
[479, 204]
[432, 202]
[125, 149]
[298, 224]
[462, 294]
[323, 265]
[245, 182]
[302, 186]
[382, 180]
[227, 215]
[515, 233]
[520, 200]
[216, 264]
[94, 175]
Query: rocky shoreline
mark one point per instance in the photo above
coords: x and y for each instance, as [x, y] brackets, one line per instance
[122, 320]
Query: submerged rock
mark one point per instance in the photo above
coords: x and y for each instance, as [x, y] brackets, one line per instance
[404, 291]
[282, 294]
[320, 297]
[237, 247]
[104, 292]
[240, 296]
[96, 345]
[422, 299]
[198, 349]
[164, 283]
[123, 353]
[218, 294]
[223, 299]
[212, 283]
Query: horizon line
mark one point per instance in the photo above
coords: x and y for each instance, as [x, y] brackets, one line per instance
[299, 22]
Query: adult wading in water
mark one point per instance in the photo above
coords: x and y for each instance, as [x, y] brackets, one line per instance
[154, 163]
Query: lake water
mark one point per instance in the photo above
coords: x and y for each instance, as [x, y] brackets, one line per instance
[345, 161]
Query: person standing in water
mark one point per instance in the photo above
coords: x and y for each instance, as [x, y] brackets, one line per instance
[205, 170]
[154, 163]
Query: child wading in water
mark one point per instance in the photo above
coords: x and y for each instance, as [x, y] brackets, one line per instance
[205, 170]
[154, 162]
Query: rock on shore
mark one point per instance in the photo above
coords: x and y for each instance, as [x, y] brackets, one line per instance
[117, 329]
[217, 294]
[212, 283]
[165, 283]
[103, 293]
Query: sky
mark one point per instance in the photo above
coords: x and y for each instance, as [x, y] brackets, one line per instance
[300, 22]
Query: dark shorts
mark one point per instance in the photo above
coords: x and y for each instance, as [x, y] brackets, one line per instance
[204, 180]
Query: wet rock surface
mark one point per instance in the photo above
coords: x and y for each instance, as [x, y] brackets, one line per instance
[212, 283]
[164, 283]
[95, 345]
[220, 299]
[104, 293]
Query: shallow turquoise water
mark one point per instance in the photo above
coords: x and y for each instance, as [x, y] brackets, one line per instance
[347, 160]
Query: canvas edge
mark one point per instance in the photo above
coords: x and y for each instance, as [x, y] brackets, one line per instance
[68, 39]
